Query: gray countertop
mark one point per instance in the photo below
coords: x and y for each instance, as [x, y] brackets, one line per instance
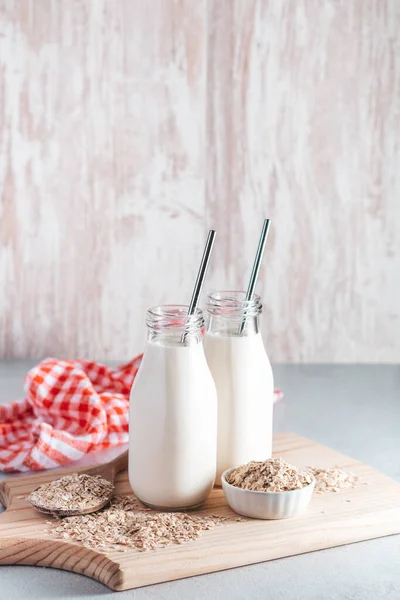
[354, 409]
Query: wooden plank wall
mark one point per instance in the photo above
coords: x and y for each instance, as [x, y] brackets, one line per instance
[130, 127]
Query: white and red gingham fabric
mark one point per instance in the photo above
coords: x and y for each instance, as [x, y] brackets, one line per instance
[71, 408]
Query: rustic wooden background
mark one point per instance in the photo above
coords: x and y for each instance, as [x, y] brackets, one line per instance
[130, 127]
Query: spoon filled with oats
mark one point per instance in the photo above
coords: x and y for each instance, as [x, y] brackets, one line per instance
[78, 493]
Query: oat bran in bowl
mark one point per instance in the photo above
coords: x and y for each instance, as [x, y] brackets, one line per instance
[271, 489]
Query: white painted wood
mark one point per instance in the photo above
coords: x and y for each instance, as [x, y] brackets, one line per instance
[128, 128]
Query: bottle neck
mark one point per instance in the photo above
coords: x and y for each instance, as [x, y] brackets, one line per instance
[233, 327]
[170, 325]
[230, 314]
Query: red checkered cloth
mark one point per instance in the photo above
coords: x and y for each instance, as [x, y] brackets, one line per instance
[71, 408]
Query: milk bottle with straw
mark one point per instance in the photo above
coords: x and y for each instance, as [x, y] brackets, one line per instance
[242, 373]
[173, 408]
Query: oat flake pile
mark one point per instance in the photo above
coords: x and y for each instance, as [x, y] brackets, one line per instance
[272, 475]
[333, 480]
[126, 523]
[77, 492]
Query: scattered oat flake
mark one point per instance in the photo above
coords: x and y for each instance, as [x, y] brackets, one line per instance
[72, 492]
[126, 523]
[272, 475]
[333, 480]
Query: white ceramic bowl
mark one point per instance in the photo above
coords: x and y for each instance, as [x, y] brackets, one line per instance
[266, 505]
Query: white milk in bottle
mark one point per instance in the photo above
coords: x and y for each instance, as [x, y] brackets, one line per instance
[173, 414]
[243, 377]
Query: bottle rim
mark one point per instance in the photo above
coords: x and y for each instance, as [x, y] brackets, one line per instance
[233, 304]
[171, 317]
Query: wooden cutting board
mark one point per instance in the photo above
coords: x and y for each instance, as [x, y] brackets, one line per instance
[366, 512]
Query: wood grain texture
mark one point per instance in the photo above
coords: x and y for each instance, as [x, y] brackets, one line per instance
[128, 128]
[366, 512]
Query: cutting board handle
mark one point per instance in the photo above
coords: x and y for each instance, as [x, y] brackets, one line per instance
[17, 488]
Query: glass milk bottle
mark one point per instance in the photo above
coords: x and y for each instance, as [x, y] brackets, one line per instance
[243, 376]
[173, 414]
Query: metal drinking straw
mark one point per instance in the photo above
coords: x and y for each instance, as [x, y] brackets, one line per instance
[256, 267]
[200, 278]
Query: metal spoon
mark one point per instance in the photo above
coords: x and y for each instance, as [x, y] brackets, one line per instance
[108, 471]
